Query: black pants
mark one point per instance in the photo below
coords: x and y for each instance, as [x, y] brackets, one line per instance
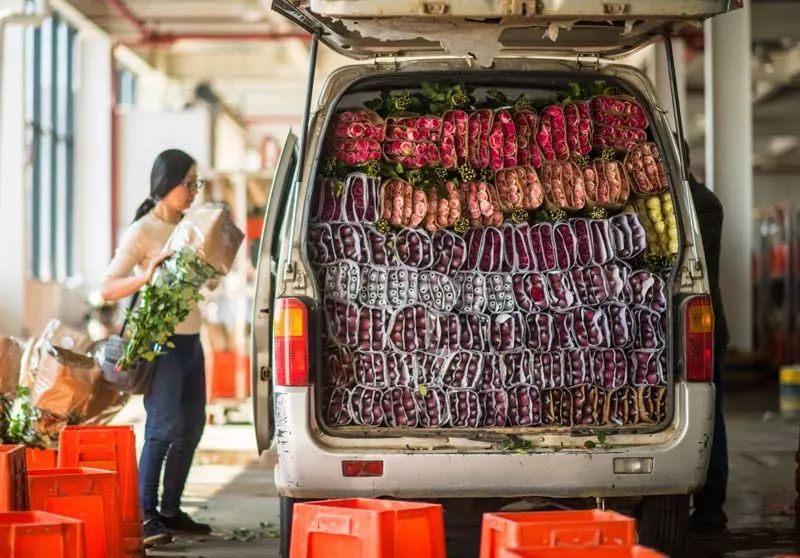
[712, 495]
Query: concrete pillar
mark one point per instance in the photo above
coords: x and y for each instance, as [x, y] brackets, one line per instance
[93, 158]
[13, 184]
[729, 160]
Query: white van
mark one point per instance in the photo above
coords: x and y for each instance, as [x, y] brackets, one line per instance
[653, 461]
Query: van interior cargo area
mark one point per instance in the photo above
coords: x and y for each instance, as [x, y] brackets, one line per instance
[493, 251]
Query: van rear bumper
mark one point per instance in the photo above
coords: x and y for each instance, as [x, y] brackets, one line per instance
[308, 469]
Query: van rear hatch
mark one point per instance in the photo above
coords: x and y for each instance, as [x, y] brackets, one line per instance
[494, 251]
[365, 28]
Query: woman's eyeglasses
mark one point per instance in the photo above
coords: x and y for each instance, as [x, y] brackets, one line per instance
[195, 185]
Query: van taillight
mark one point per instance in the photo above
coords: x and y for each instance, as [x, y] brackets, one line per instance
[698, 338]
[290, 342]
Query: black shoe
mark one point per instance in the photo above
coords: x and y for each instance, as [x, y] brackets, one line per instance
[182, 523]
[711, 520]
[155, 533]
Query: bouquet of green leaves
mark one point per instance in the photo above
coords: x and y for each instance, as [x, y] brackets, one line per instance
[163, 304]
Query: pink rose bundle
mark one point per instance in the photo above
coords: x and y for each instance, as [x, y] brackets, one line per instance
[528, 152]
[479, 127]
[401, 204]
[482, 204]
[644, 166]
[552, 134]
[563, 185]
[358, 124]
[502, 141]
[414, 128]
[443, 211]
[453, 145]
[579, 127]
[519, 188]
[606, 183]
[411, 154]
[354, 152]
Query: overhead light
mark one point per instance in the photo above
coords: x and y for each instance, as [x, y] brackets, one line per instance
[251, 15]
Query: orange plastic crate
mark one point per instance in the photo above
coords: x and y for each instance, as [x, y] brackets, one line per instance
[112, 448]
[255, 226]
[362, 528]
[525, 530]
[89, 495]
[13, 483]
[597, 552]
[228, 376]
[40, 458]
[34, 533]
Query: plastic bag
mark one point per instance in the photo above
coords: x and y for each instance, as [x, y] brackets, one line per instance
[556, 407]
[400, 407]
[524, 406]
[500, 293]
[494, 408]
[414, 248]
[530, 291]
[588, 405]
[360, 198]
[473, 292]
[474, 331]
[449, 252]
[609, 368]
[484, 249]
[623, 407]
[413, 328]
[464, 408]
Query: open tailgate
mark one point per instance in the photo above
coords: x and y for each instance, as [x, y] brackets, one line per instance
[365, 28]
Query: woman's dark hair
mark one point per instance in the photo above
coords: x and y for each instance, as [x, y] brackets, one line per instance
[169, 170]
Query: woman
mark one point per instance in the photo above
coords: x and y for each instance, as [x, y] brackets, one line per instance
[175, 404]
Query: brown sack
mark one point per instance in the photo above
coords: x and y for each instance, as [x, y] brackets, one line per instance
[65, 382]
[11, 351]
[210, 229]
[65, 337]
[104, 404]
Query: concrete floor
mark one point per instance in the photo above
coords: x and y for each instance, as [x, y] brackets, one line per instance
[234, 492]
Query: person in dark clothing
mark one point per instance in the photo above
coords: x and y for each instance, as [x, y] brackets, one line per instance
[709, 501]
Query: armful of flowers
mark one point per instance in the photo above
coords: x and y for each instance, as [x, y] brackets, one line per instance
[165, 303]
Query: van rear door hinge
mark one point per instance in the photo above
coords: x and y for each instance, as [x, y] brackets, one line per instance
[588, 61]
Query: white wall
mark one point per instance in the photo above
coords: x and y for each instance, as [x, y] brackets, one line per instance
[13, 260]
[771, 189]
[143, 134]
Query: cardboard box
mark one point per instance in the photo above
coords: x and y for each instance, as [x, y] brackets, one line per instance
[11, 351]
[64, 382]
[210, 229]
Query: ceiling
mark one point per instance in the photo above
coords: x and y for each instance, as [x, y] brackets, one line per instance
[257, 62]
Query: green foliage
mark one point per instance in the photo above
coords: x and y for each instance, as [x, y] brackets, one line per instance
[441, 97]
[164, 304]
